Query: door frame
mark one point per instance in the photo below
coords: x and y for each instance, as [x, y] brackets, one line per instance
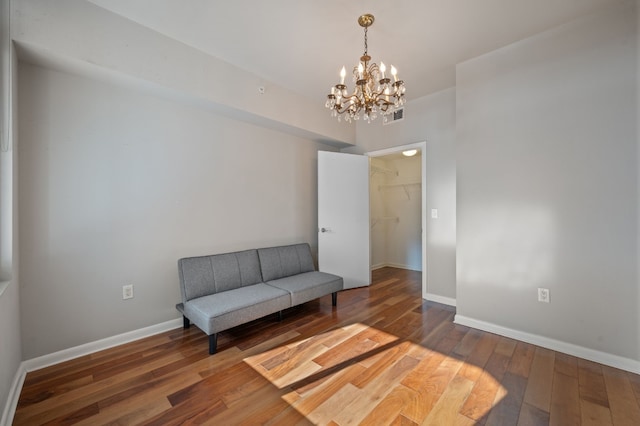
[422, 146]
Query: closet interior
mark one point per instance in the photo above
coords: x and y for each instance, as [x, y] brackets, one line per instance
[396, 207]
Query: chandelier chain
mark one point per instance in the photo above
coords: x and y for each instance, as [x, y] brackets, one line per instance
[366, 46]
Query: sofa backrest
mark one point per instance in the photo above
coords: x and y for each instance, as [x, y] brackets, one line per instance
[204, 275]
[283, 261]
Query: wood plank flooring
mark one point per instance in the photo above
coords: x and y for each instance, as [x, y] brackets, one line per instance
[383, 356]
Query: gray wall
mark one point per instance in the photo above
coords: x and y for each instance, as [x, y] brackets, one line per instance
[10, 354]
[10, 350]
[79, 35]
[116, 185]
[431, 118]
[547, 166]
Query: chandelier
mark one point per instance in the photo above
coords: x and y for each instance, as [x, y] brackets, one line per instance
[374, 92]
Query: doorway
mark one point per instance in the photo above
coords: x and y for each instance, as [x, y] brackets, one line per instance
[398, 209]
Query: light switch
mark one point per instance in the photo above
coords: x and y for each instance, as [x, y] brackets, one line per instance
[434, 213]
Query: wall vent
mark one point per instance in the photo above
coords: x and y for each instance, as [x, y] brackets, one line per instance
[398, 115]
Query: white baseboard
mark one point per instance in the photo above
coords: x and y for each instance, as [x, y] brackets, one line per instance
[611, 360]
[75, 352]
[99, 345]
[393, 265]
[440, 299]
[402, 266]
[14, 395]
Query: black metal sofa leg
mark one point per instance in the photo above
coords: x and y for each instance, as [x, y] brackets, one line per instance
[185, 322]
[334, 298]
[213, 343]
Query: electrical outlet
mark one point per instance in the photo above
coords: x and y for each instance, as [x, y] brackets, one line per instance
[127, 292]
[543, 295]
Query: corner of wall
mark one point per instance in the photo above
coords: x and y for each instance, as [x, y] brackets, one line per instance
[11, 372]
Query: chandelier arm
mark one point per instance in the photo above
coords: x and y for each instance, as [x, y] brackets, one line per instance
[380, 93]
[379, 96]
[352, 96]
[341, 110]
[374, 95]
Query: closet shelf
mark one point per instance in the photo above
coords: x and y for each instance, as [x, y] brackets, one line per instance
[375, 220]
[383, 170]
[393, 185]
[404, 185]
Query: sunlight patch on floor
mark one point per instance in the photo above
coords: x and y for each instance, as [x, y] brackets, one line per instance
[358, 373]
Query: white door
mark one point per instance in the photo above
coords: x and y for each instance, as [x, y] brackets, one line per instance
[343, 217]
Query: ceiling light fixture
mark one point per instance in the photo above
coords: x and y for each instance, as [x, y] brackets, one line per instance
[374, 93]
[410, 152]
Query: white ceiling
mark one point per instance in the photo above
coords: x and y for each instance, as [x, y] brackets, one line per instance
[303, 44]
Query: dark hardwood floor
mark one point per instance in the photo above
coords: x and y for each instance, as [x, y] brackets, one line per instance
[383, 356]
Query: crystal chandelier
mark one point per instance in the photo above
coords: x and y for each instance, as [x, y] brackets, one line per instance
[374, 93]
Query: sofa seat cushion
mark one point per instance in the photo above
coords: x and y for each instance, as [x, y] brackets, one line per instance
[221, 311]
[308, 285]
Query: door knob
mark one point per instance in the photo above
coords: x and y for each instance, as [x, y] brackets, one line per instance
[325, 230]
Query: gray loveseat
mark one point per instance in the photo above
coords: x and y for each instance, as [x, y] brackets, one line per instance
[225, 290]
